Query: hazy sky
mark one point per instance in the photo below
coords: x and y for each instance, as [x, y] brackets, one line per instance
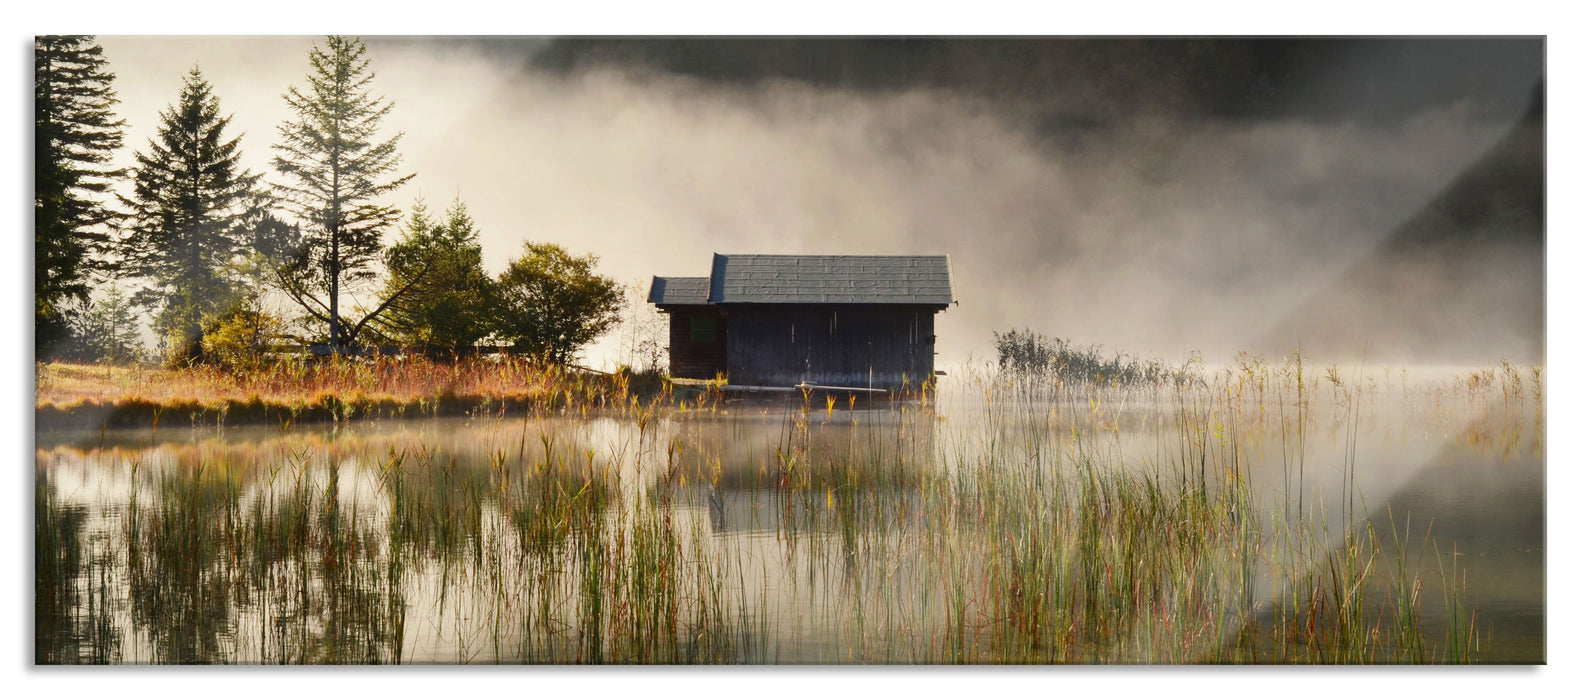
[1160, 224]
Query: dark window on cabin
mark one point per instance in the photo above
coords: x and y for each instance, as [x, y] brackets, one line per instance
[702, 329]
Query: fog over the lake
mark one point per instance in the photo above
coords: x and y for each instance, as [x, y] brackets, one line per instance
[1155, 226]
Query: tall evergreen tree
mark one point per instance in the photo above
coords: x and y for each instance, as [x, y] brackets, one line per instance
[336, 171]
[446, 301]
[191, 205]
[75, 133]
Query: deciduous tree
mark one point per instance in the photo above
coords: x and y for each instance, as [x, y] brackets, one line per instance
[552, 303]
[643, 331]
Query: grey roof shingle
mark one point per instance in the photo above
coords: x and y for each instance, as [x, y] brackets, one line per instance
[679, 291]
[830, 279]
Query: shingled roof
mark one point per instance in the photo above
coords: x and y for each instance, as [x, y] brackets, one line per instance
[830, 279]
[679, 291]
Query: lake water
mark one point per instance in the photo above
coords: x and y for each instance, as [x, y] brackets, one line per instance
[990, 526]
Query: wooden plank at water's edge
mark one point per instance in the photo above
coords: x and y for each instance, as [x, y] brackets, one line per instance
[804, 386]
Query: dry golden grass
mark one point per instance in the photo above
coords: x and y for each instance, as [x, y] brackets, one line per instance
[316, 390]
[62, 384]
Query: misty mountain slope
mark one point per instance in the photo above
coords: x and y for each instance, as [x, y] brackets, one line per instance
[1104, 78]
[1462, 280]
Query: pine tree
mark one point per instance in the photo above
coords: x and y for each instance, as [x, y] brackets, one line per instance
[191, 206]
[336, 171]
[440, 265]
[75, 132]
[106, 330]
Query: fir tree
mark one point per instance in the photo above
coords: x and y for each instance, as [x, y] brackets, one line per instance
[106, 330]
[440, 265]
[75, 132]
[336, 171]
[191, 205]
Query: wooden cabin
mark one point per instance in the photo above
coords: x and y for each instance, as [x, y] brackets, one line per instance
[860, 321]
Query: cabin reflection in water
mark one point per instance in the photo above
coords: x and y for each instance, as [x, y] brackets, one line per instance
[806, 471]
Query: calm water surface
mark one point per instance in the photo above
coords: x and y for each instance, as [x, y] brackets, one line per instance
[776, 533]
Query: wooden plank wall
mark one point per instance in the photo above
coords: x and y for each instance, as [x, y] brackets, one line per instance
[690, 360]
[859, 346]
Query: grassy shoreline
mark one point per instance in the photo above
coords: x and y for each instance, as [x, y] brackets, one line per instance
[96, 397]
[141, 413]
